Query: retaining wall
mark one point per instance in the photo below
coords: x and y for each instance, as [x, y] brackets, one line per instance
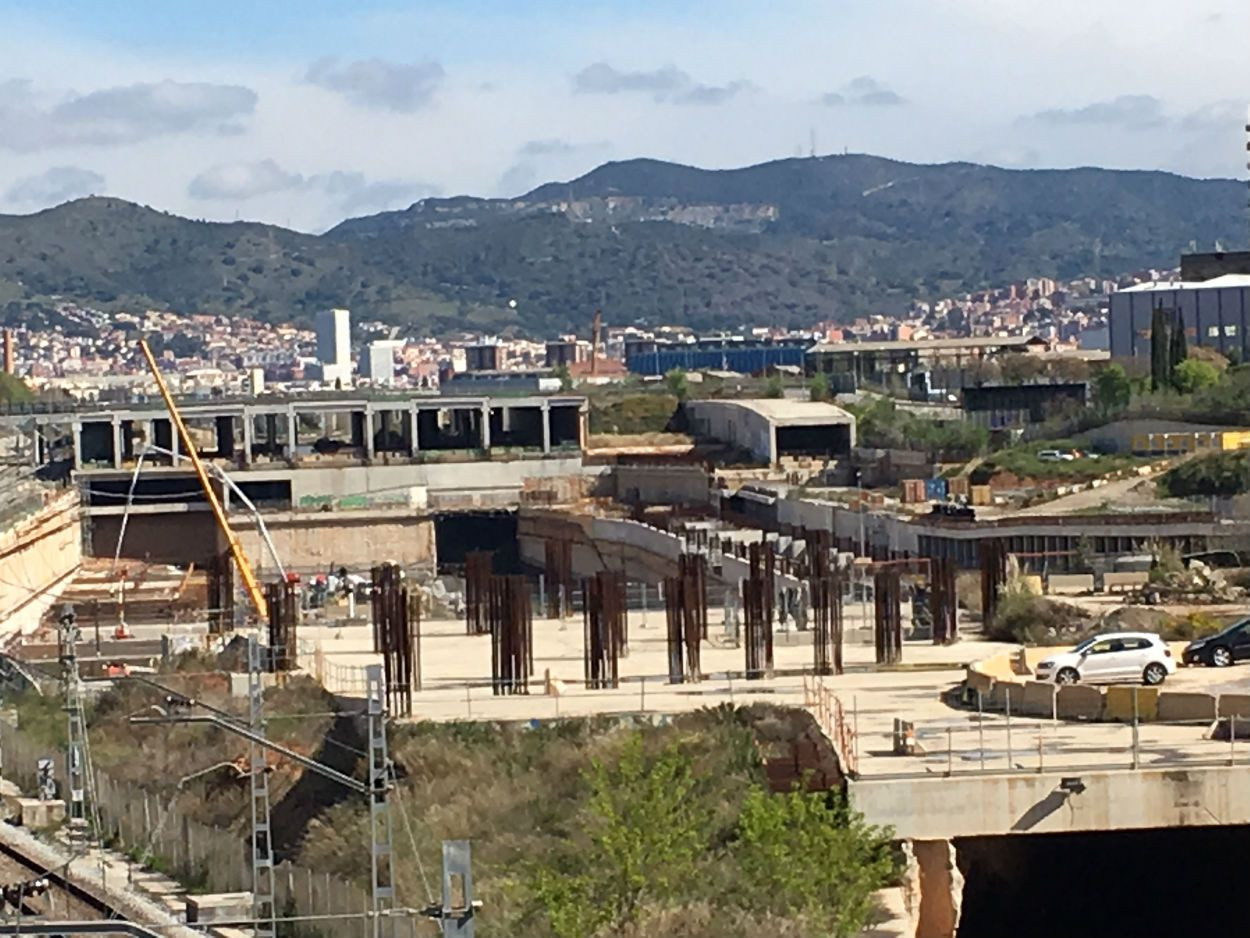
[1003, 680]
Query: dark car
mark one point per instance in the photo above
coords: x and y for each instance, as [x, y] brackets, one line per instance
[1221, 649]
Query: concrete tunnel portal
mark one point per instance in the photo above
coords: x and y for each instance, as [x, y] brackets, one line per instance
[1179, 882]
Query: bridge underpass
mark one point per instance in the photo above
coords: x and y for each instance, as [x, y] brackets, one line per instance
[1070, 852]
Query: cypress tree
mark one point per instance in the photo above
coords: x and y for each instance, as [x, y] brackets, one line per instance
[1178, 348]
[1159, 351]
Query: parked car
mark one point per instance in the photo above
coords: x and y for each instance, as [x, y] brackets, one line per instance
[1114, 658]
[1054, 455]
[1221, 649]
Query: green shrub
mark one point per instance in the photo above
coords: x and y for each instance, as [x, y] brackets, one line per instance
[1220, 474]
[1027, 619]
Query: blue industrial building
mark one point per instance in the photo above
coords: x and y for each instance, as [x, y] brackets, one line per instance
[724, 353]
[1216, 314]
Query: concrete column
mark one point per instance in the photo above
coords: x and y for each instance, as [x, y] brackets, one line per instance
[368, 432]
[414, 444]
[291, 426]
[248, 431]
[486, 426]
[546, 427]
[941, 889]
[77, 431]
[117, 442]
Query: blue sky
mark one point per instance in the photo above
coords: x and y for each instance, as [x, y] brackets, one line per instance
[305, 113]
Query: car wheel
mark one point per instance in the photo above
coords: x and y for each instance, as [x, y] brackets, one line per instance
[1155, 673]
[1067, 676]
[1220, 656]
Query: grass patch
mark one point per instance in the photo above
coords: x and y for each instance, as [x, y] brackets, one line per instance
[1022, 460]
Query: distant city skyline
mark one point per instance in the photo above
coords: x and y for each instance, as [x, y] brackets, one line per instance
[302, 115]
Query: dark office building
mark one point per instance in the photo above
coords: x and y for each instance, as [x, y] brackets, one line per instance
[1003, 406]
[1216, 314]
[487, 356]
[724, 353]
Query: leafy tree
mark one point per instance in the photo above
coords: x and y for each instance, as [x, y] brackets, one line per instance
[1193, 375]
[774, 387]
[647, 835]
[1178, 350]
[13, 390]
[1215, 474]
[807, 855]
[1018, 368]
[1112, 389]
[677, 384]
[561, 371]
[818, 387]
[1160, 356]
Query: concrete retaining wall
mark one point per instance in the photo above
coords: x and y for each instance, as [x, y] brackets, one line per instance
[1122, 704]
[38, 556]
[1039, 699]
[1078, 702]
[1113, 581]
[987, 805]
[1177, 706]
[998, 677]
[662, 485]
[1068, 583]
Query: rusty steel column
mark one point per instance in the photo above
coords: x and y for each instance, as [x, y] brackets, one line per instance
[825, 588]
[477, 574]
[558, 572]
[993, 576]
[685, 610]
[282, 598]
[943, 601]
[603, 618]
[757, 606]
[888, 631]
[511, 622]
[394, 634]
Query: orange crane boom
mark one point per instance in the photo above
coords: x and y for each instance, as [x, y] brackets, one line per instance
[188, 447]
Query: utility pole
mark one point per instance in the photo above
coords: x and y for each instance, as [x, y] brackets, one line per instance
[379, 811]
[262, 845]
[76, 753]
[376, 790]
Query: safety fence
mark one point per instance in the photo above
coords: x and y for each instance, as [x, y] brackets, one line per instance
[986, 742]
[158, 833]
[832, 719]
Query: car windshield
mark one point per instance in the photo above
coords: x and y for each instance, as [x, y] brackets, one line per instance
[1237, 626]
[1085, 645]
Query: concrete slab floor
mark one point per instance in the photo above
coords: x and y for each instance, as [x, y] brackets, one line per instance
[456, 669]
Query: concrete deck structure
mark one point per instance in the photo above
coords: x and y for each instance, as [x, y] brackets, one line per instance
[246, 433]
[772, 428]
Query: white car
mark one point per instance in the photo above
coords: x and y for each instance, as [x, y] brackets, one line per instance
[1054, 455]
[1115, 658]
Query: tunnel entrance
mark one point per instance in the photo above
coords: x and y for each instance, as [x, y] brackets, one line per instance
[457, 534]
[1162, 883]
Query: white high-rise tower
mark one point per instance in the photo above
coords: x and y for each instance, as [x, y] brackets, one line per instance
[334, 345]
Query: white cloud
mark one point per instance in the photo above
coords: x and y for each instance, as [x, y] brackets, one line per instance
[54, 186]
[34, 120]
[666, 84]
[375, 83]
[348, 192]
[1133, 111]
[864, 91]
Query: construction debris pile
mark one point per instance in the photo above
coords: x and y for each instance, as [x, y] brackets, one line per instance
[1196, 584]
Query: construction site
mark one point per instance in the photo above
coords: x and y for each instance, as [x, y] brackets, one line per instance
[263, 663]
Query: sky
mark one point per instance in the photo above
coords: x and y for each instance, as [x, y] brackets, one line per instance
[305, 113]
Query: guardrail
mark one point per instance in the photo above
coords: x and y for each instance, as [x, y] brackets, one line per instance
[1010, 742]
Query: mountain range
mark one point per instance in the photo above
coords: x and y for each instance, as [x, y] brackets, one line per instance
[789, 242]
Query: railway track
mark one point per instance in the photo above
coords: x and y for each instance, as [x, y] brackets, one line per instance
[79, 911]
